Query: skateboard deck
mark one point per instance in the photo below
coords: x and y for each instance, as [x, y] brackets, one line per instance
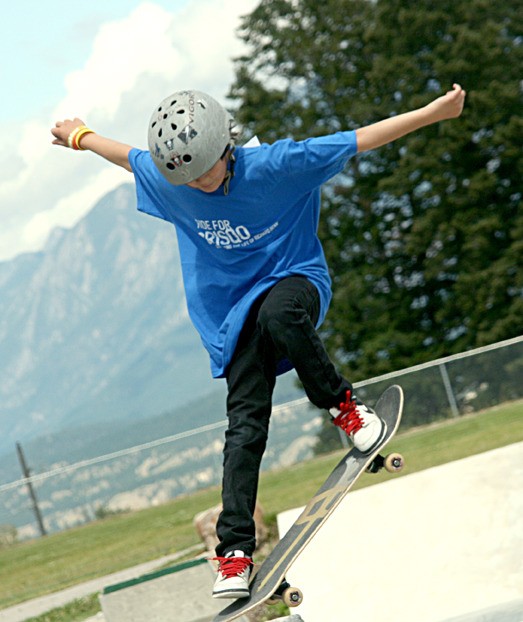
[269, 581]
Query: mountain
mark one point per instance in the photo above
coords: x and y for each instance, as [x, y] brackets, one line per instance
[95, 329]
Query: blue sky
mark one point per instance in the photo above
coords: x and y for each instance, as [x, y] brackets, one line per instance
[109, 63]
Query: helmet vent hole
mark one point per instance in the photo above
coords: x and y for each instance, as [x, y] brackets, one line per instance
[165, 116]
[181, 111]
[173, 102]
[174, 126]
[160, 132]
[187, 158]
[160, 109]
[153, 124]
[170, 166]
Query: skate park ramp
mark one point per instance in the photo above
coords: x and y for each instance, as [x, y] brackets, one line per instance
[441, 545]
[508, 612]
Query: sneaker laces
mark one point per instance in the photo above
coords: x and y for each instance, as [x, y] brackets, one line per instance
[232, 566]
[349, 419]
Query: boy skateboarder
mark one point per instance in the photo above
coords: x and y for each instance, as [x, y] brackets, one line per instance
[255, 276]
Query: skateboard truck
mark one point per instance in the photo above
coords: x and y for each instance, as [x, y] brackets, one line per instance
[393, 463]
[291, 596]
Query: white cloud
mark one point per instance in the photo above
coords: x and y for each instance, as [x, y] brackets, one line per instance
[208, 41]
[134, 63]
[71, 207]
[122, 50]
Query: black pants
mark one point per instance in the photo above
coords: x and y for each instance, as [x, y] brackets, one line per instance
[280, 325]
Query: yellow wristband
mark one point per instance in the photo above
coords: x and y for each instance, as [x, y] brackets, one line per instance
[72, 135]
[78, 137]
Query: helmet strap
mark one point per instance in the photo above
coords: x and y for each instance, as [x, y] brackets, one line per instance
[230, 169]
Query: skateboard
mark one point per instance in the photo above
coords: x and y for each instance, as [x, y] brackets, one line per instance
[269, 584]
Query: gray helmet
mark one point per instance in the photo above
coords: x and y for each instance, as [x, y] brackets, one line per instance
[188, 133]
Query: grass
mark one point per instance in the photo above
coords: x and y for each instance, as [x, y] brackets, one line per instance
[37, 567]
[76, 611]
[46, 565]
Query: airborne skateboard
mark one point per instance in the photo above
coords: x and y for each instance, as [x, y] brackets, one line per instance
[269, 584]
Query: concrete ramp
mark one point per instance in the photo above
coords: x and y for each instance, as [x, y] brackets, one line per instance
[430, 547]
[509, 612]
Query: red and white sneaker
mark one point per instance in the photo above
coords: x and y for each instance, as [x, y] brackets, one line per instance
[233, 576]
[363, 426]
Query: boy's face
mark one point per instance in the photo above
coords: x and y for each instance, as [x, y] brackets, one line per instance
[212, 179]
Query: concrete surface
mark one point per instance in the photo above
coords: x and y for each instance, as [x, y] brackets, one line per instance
[427, 547]
[508, 612]
[178, 594]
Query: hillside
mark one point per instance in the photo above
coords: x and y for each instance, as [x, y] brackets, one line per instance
[95, 327]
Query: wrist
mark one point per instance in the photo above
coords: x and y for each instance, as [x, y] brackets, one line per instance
[75, 137]
[432, 113]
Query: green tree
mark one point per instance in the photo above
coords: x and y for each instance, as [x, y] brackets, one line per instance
[424, 237]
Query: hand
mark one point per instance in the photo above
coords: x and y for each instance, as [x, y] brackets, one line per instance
[448, 106]
[63, 129]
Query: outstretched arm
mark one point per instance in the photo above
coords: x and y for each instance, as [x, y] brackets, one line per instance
[448, 106]
[111, 150]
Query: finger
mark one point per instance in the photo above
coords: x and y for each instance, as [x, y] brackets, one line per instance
[456, 92]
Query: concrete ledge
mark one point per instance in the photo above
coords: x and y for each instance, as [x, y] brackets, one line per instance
[180, 593]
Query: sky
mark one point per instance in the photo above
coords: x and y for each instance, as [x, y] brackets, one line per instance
[110, 64]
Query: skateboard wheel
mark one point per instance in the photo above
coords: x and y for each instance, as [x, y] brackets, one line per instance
[292, 596]
[394, 463]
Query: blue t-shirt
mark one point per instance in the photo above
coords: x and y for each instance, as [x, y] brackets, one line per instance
[233, 248]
